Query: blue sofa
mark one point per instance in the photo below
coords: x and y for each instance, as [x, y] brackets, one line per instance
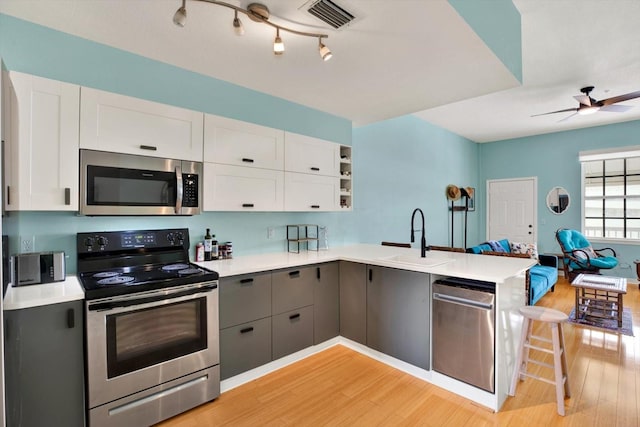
[542, 277]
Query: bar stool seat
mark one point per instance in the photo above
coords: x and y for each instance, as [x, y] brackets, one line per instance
[554, 319]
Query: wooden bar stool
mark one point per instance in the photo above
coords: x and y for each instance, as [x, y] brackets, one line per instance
[554, 319]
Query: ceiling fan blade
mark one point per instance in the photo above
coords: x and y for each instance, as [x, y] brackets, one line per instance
[568, 117]
[553, 112]
[583, 99]
[616, 108]
[620, 98]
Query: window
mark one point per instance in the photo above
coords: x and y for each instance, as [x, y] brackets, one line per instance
[611, 202]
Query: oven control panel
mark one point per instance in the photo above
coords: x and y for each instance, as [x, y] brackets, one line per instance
[115, 241]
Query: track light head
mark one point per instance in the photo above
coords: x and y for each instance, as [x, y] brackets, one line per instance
[278, 46]
[180, 17]
[237, 25]
[325, 52]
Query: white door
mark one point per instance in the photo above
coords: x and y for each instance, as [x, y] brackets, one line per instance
[512, 209]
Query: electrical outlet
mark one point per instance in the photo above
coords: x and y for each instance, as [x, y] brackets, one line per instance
[27, 243]
[270, 232]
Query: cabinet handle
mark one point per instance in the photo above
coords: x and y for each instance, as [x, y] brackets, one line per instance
[294, 273]
[67, 196]
[294, 316]
[318, 272]
[71, 318]
[148, 147]
[247, 160]
[247, 205]
[315, 169]
[370, 275]
[315, 206]
[245, 281]
[246, 330]
[8, 195]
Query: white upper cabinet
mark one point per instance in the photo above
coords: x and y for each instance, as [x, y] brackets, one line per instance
[122, 124]
[41, 147]
[233, 142]
[310, 155]
[304, 192]
[238, 188]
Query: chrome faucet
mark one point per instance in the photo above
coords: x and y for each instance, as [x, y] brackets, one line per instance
[423, 242]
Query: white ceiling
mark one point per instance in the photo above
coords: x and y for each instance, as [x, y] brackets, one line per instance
[398, 57]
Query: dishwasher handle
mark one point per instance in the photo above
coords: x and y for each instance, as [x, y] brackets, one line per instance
[462, 301]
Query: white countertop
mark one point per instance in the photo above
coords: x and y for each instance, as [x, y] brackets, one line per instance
[481, 267]
[45, 294]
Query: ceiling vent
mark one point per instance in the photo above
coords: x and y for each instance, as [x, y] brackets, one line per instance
[329, 12]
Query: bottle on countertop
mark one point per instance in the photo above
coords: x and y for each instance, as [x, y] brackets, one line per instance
[208, 240]
[214, 248]
[199, 252]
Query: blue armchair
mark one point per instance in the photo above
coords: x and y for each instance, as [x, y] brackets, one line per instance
[580, 257]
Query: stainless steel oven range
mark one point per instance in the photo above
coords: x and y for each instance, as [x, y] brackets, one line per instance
[151, 326]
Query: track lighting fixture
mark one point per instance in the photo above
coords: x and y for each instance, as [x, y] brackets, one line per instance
[278, 46]
[237, 25]
[325, 52]
[180, 17]
[259, 13]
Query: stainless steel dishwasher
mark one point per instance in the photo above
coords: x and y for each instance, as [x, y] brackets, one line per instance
[463, 334]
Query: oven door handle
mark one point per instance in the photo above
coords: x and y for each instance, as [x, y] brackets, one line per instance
[179, 189]
[146, 299]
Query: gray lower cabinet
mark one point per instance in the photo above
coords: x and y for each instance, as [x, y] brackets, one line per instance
[353, 301]
[244, 347]
[292, 331]
[245, 323]
[398, 314]
[44, 365]
[326, 302]
[292, 288]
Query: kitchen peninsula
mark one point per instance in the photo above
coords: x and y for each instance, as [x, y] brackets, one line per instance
[390, 262]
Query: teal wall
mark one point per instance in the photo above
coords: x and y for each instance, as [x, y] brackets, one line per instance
[406, 163]
[498, 24]
[553, 158]
[37, 50]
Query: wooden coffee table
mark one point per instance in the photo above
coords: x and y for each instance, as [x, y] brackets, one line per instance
[600, 296]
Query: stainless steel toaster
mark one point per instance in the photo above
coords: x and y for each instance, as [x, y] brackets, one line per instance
[37, 267]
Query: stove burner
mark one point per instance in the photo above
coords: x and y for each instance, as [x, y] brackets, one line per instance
[105, 274]
[115, 280]
[174, 267]
[189, 271]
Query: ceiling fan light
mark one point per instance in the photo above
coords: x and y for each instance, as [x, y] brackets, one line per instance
[180, 17]
[588, 110]
[278, 46]
[237, 25]
[325, 52]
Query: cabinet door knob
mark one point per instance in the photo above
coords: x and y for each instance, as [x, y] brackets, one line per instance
[67, 196]
[71, 318]
[247, 160]
[294, 316]
[315, 206]
[245, 281]
[247, 205]
[294, 273]
[148, 147]
[246, 330]
[315, 169]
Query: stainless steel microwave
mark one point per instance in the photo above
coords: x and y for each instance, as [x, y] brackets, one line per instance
[126, 184]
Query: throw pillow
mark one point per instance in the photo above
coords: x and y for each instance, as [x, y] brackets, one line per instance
[530, 249]
[582, 253]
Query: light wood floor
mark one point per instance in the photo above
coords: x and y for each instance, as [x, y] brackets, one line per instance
[341, 387]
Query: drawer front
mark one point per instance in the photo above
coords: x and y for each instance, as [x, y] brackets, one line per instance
[244, 347]
[244, 298]
[292, 331]
[292, 288]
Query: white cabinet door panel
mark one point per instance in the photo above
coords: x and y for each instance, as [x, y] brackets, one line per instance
[305, 192]
[234, 142]
[238, 188]
[311, 155]
[43, 144]
[122, 124]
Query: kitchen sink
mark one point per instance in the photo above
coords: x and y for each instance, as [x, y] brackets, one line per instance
[417, 260]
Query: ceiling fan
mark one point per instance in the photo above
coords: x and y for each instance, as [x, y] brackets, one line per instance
[588, 105]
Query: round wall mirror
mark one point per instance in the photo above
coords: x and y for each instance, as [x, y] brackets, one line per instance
[558, 200]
